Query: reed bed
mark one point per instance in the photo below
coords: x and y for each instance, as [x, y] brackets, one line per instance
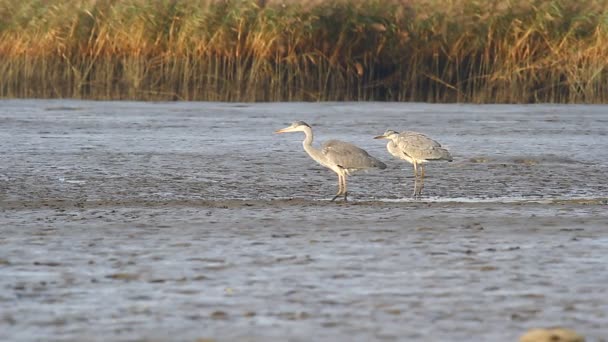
[493, 51]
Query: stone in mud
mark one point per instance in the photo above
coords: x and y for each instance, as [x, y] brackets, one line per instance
[219, 315]
[479, 160]
[551, 335]
[123, 276]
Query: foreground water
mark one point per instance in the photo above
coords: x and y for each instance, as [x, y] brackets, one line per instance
[178, 221]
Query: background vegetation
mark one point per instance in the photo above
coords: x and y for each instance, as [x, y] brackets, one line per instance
[504, 51]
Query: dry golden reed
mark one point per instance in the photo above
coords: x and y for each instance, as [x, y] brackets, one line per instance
[494, 51]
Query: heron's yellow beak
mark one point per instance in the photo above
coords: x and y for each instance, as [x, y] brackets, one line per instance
[380, 137]
[282, 130]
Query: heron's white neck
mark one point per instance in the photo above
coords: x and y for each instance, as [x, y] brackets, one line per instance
[313, 152]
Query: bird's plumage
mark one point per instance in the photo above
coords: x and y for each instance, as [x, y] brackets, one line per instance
[418, 146]
[349, 157]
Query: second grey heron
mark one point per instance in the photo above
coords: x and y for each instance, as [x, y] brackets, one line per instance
[341, 157]
[417, 149]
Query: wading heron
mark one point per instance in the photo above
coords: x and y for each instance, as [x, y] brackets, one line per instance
[341, 157]
[417, 149]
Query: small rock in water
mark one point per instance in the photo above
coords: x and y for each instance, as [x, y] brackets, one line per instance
[123, 276]
[551, 335]
[219, 315]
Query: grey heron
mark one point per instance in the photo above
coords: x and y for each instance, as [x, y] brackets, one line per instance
[341, 157]
[417, 149]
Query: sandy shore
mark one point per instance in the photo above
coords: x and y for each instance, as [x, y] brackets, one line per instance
[259, 270]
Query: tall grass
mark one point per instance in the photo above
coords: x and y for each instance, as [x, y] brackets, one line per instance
[502, 51]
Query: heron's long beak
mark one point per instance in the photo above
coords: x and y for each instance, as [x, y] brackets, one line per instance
[380, 137]
[282, 130]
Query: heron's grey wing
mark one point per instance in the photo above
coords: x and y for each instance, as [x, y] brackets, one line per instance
[421, 147]
[419, 138]
[393, 149]
[349, 156]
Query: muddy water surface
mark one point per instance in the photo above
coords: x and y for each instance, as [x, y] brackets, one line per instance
[178, 221]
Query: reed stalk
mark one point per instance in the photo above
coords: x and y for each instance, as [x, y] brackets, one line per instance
[490, 51]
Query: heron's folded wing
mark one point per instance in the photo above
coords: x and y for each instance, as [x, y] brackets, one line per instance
[416, 138]
[420, 146]
[347, 155]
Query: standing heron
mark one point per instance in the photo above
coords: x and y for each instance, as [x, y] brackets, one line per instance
[341, 157]
[417, 149]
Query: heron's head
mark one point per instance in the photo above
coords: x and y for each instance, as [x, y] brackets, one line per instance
[389, 134]
[296, 126]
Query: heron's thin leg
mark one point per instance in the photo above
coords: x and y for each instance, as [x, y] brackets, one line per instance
[339, 188]
[415, 179]
[421, 180]
[344, 188]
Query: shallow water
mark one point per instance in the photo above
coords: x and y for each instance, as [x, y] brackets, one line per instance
[165, 221]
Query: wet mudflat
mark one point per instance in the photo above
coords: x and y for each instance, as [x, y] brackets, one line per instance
[181, 221]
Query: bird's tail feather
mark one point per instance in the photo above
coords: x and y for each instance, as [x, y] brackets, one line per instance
[445, 155]
[379, 164]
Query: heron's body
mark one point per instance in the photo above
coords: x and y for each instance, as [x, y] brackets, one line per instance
[341, 157]
[350, 158]
[417, 149]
